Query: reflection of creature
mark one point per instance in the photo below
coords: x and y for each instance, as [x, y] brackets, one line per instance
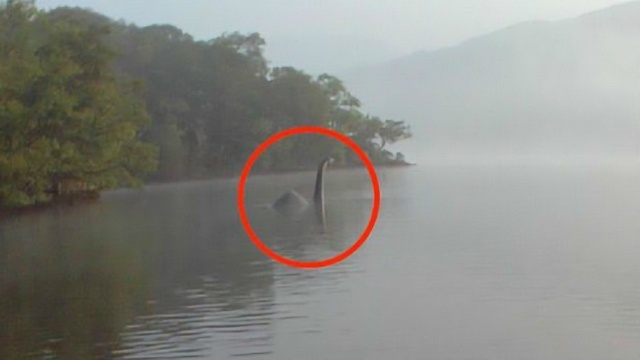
[292, 202]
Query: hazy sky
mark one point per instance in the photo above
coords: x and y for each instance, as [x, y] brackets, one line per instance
[338, 34]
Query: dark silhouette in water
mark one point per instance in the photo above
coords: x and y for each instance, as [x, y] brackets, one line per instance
[292, 202]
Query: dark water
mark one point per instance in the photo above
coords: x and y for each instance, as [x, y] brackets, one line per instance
[465, 262]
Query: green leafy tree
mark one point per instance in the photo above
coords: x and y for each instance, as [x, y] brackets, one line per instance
[373, 134]
[68, 122]
[393, 131]
[23, 166]
[91, 118]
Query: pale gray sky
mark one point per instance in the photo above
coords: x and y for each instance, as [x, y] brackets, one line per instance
[338, 34]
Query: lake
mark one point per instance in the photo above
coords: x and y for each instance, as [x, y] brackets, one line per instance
[493, 261]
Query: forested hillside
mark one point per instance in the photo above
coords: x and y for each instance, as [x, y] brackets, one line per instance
[88, 103]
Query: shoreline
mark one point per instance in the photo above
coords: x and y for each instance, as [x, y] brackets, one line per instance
[64, 201]
[236, 173]
[60, 201]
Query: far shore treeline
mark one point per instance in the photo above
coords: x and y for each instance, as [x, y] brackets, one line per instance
[88, 104]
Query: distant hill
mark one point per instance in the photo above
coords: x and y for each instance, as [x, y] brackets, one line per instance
[569, 87]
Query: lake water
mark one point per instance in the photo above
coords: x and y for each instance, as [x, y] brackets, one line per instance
[465, 262]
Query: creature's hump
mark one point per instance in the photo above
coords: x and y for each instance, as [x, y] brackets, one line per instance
[290, 199]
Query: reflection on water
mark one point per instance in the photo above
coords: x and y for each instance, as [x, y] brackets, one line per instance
[303, 236]
[66, 289]
[166, 272]
[493, 262]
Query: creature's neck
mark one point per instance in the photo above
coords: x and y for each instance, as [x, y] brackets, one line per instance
[318, 195]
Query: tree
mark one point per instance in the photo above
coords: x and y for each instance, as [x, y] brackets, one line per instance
[336, 91]
[373, 134]
[23, 165]
[70, 115]
[65, 117]
[392, 131]
[92, 118]
[249, 46]
[298, 99]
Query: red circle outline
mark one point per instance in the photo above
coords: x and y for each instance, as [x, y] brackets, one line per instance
[305, 130]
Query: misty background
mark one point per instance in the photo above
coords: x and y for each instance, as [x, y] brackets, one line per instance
[524, 261]
[493, 79]
[539, 89]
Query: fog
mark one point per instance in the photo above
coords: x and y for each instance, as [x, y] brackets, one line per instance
[501, 79]
[325, 36]
[536, 90]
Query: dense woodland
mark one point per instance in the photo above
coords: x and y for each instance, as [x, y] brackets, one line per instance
[88, 103]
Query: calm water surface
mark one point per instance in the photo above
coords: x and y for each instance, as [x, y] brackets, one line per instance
[465, 262]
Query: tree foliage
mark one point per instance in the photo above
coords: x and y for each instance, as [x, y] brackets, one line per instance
[67, 122]
[68, 112]
[214, 101]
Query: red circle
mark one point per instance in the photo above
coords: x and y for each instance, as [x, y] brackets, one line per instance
[304, 130]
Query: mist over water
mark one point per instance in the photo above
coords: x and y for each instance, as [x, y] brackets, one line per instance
[516, 235]
[490, 261]
[539, 89]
